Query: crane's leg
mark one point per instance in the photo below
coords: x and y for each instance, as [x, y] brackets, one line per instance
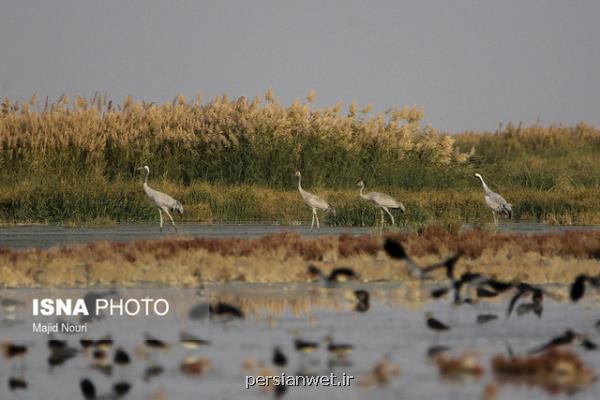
[312, 223]
[171, 218]
[495, 219]
[317, 218]
[390, 214]
[161, 219]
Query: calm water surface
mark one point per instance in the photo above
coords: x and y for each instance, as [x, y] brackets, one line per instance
[44, 236]
[275, 315]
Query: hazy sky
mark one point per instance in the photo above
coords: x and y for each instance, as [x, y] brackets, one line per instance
[471, 64]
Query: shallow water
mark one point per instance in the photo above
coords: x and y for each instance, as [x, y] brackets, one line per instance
[394, 326]
[44, 236]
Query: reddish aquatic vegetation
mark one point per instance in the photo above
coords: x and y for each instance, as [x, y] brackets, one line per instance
[555, 258]
[556, 370]
[456, 367]
[352, 245]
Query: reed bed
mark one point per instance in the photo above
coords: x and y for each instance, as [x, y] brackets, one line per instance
[188, 262]
[98, 201]
[74, 160]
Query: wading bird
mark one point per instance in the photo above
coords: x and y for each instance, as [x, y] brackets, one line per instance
[338, 274]
[362, 300]
[87, 389]
[485, 318]
[567, 338]
[279, 358]
[395, 250]
[17, 383]
[435, 324]
[313, 201]
[495, 202]
[305, 346]
[537, 298]
[163, 201]
[381, 200]
[578, 286]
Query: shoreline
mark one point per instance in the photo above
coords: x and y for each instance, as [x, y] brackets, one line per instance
[552, 258]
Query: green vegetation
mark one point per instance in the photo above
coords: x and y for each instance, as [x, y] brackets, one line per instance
[233, 161]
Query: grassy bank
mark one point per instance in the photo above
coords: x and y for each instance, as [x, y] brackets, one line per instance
[73, 161]
[101, 201]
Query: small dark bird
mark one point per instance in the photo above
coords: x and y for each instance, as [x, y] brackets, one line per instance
[440, 292]
[537, 296]
[315, 272]
[224, 309]
[279, 358]
[99, 354]
[87, 389]
[11, 350]
[588, 344]
[192, 342]
[55, 344]
[498, 286]
[363, 301]
[448, 264]
[396, 251]
[338, 274]
[121, 388]
[155, 343]
[305, 346]
[568, 337]
[104, 343]
[341, 274]
[153, 371]
[436, 350]
[8, 304]
[339, 349]
[17, 383]
[121, 357]
[60, 352]
[199, 311]
[280, 390]
[486, 293]
[578, 287]
[485, 318]
[526, 308]
[90, 299]
[434, 324]
[466, 280]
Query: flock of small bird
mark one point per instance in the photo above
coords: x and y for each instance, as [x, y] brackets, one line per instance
[486, 287]
[468, 288]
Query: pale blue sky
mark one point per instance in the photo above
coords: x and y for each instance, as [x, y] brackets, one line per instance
[471, 64]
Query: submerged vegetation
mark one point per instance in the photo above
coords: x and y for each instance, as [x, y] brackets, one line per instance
[232, 160]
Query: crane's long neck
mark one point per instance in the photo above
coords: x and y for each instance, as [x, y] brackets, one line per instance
[485, 187]
[302, 191]
[362, 194]
[146, 173]
[300, 184]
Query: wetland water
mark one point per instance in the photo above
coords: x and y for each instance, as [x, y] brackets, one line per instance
[44, 236]
[275, 314]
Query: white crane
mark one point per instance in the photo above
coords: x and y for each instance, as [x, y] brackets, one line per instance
[495, 202]
[381, 200]
[313, 201]
[163, 201]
